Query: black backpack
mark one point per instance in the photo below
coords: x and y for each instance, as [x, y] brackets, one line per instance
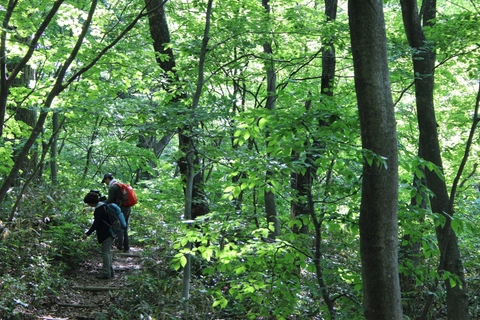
[116, 220]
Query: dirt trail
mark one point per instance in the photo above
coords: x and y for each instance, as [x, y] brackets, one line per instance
[86, 297]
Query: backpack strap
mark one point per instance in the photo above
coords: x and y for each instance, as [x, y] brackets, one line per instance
[105, 207]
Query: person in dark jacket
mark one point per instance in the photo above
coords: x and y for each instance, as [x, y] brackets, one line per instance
[102, 229]
[115, 196]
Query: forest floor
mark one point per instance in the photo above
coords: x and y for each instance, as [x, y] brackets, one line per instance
[86, 297]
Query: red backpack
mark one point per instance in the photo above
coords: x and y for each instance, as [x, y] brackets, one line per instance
[129, 198]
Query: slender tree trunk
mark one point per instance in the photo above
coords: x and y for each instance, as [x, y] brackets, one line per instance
[90, 149]
[317, 256]
[423, 67]
[238, 90]
[269, 196]
[328, 52]
[378, 210]
[10, 79]
[53, 149]
[303, 183]
[410, 253]
[27, 116]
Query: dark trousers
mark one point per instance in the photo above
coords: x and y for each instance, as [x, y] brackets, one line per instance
[107, 268]
[122, 236]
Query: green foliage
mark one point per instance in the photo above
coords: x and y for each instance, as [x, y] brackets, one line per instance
[29, 274]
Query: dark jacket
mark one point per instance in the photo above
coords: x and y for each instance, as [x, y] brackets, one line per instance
[99, 225]
[115, 196]
[114, 193]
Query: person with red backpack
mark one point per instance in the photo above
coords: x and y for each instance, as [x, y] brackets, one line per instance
[123, 196]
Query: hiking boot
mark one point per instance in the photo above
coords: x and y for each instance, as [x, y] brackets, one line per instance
[102, 276]
[126, 250]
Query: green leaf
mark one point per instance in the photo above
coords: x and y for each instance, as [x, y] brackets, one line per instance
[223, 302]
[183, 261]
[262, 123]
[240, 269]
[452, 282]
[207, 254]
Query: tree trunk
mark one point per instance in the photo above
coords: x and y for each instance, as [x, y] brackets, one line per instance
[27, 116]
[161, 36]
[151, 142]
[238, 90]
[302, 183]
[90, 149]
[378, 210]
[410, 253]
[269, 196]
[423, 67]
[53, 149]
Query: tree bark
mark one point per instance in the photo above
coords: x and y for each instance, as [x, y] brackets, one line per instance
[302, 183]
[410, 253]
[269, 196]
[160, 34]
[27, 116]
[423, 58]
[90, 149]
[378, 210]
[54, 150]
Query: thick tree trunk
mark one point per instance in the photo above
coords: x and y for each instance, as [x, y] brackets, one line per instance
[160, 34]
[378, 210]
[423, 65]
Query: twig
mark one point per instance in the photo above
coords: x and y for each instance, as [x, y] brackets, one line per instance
[73, 305]
[96, 289]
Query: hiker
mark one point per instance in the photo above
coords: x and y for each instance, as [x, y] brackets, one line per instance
[115, 196]
[103, 233]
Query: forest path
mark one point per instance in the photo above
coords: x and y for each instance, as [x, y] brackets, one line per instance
[86, 297]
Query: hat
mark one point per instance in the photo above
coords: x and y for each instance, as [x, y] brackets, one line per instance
[91, 197]
[106, 176]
